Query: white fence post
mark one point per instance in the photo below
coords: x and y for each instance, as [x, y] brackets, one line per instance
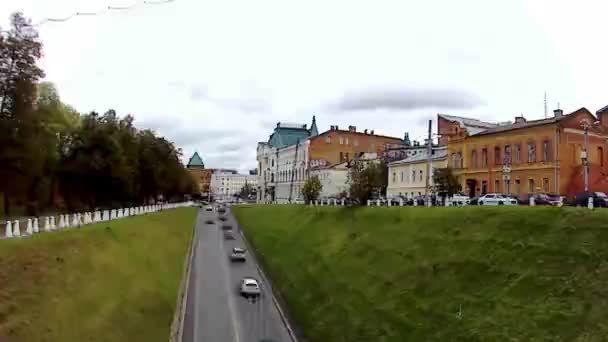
[16, 231]
[53, 227]
[9, 229]
[47, 224]
[29, 230]
[36, 227]
[590, 202]
[532, 202]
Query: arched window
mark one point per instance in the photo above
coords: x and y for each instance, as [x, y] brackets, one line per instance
[474, 159]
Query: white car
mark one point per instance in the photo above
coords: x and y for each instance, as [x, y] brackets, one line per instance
[496, 199]
[208, 208]
[238, 254]
[250, 287]
[459, 200]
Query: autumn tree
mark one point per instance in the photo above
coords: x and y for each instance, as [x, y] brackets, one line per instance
[366, 179]
[311, 189]
[445, 182]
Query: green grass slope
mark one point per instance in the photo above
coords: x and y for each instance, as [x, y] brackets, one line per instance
[96, 283]
[437, 274]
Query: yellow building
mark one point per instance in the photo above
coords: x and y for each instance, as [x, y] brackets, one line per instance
[407, 177]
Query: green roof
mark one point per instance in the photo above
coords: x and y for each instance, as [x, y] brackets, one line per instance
[196, 161]
[287, 136]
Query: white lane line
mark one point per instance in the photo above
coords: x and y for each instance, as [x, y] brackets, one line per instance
[235, 324]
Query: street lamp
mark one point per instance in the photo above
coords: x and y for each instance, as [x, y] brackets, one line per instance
[584, 157]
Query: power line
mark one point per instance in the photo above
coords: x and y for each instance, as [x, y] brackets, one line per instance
[103, 11]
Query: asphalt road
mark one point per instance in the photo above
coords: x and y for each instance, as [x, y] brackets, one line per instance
[215, 311]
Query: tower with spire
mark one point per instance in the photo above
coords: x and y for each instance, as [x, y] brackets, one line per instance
[406, 140]
[314, 131]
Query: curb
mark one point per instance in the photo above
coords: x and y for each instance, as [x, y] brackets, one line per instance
[276, 303]
[177, 325]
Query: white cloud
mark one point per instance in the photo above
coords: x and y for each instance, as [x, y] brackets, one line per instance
[251, 64]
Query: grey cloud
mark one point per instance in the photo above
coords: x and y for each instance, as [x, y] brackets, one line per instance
[405, 98]
[250, 103]
[229, 146]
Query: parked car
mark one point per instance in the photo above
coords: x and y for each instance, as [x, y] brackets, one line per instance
[397, 200]
[541, 198]
[458, 199]
[474, 201]
[208, 208]
[238, 254]
[496, 199]
[599, 199]
[250, 287]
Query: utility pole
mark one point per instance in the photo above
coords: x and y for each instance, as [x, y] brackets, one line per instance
[293, 171]
[584, 157]
[546, 105]
[429, 144]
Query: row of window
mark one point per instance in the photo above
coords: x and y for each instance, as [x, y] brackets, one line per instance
[285, 175]
[508, 187]
[508, 154]
[342, 141]
[407, 179]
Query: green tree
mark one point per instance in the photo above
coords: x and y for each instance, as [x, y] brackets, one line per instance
[366, 179]
[311, 189]
[21, 128]
[246, 191]
[446, 184]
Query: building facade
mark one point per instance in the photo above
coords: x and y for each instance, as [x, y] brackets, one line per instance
[407, 177]
[531, 155]
[333, 178]
[225, 184]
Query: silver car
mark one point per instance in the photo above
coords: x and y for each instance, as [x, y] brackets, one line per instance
[250, 287]
[238, 254]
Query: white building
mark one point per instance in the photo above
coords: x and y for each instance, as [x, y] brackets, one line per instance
[407, 177]
[334, 179]
[282, 163]
[225, 184]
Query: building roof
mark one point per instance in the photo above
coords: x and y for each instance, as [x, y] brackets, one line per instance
[602, 110]
[421, 154]
[399, 140]
[473, 126]
[523, 124]
[314, 131]
[196, 161]
[287, 136]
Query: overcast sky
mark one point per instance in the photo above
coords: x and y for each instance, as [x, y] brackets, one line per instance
[216, 76]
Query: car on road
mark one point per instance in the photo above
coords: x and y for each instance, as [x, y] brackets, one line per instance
[208, 208]
[209, 221]
[226, 226]
[228, 235]
[221, 210]
[496, 199]
[250, 287]
[238, 254]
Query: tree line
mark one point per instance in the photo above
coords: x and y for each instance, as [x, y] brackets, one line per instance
[53, 156]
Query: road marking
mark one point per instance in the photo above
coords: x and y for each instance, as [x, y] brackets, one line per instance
[235, 326]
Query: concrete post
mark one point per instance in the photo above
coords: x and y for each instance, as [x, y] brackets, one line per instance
[415, 202]
[9, 229]
[532, 201]
[66, 219]
[76, 220]
[105, 216]
[16, 231]
[29, 230]
[47, 224]
[590, 203]
[61, 222]
[53, 227]
[36, 228]
[378, 202]
[446, 202]
[401, 201]
[112, 214]
[369, 203]
[388, 202]
[343, 201]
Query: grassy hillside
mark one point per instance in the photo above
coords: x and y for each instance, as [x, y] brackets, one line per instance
[437, 274]
[114, 281]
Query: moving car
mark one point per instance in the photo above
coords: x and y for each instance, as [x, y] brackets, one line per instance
[221, 209]
[226, 226]
[208, 208]
[496, 199]
[228, 235]
[542, 198]
[250, 287]
[238, 254]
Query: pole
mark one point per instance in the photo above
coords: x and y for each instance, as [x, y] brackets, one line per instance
[585, 159]
[429, 144]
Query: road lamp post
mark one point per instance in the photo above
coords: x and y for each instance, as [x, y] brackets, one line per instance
[585, 158]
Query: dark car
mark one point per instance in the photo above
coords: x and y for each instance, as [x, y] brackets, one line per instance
[397, 200]
[228, 235]
[221, 210]
[226, 226]
[539, 199]
[599, 199]
[474, 201]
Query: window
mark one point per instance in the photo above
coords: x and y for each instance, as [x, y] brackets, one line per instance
[507, 186]
[413, 176]
[272, 162]
[546, 184]
[497, 160]
[328, 139]
[531, 152]
[341, 156]
[456, 160]
[341, 141]
[421, 175]
[517, 153]
[484, 157]
[394, 177]
[546, 150]
[530, 185]
[346, 154]
[497, 186]
[474, 159]
[484, 187]
[401, 176]
[507, 157]
[600, 156]
[346, 140]
[517, 186]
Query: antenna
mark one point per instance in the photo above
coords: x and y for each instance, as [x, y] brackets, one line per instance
[546, 105]
[558, 106]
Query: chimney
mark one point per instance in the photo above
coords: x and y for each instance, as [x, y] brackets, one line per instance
[279, 124]
[371, 132]
[602, 115]
[365, 131]
[558, 113]
[336, 126]
[352, 128]
[520, 120]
